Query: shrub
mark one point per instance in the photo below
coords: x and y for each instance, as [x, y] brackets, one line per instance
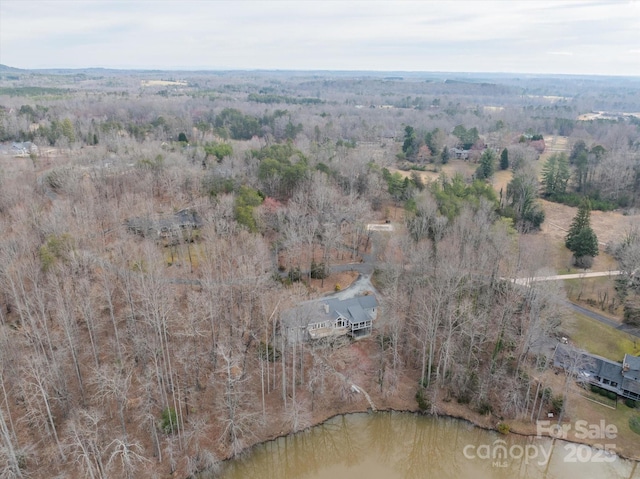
[338, 287]
[485, 408]
[319, 270]
[268, 352]
[631, 403]
[557, 403]
[169, 421]
[423, 402]
[612, 395]
[294, 275]
[634, 424]
[595, 389]
[503, 428]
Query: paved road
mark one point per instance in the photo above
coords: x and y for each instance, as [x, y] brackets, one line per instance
[357, 288]
[579, 309]
[602, 319]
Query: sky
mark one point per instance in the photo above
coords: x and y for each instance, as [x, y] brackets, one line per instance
[555, 36]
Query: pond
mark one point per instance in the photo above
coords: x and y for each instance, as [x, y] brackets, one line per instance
[403, 446]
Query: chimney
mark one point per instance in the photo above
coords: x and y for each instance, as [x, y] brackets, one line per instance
[326, 308]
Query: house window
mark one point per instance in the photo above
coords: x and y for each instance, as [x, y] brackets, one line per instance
[614, 384]
[605, 381]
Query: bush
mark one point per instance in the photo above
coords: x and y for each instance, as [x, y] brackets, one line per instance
[423, 403]
[337, 287]
[319, 270]
[557, 404]
[611, 395]
[294, 275]
[630, 403]
[634, 424]
[595, 389]
[575, 199]
[268, 352]
[503, 428]
[169, 422]
[485, 408]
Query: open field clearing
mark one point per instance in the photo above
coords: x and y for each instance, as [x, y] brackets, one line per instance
[163, 83]
[598, 338]
[610, 226]
[464, 168]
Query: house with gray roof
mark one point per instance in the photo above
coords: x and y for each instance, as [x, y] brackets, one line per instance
[460, 153]
[167, 226]
[622, 379]
[19, 149]
[631, 376]
[331, 317]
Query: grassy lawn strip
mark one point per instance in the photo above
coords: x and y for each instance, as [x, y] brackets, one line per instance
[600, 398]
[634, 424]
[626, 440]
[600, 339]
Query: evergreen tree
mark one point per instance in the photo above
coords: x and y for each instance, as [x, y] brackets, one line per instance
[522, 205]
[555, 175]
[487, 165]
[581, 240]
[410, 145]
[445, 155]
[504, 160]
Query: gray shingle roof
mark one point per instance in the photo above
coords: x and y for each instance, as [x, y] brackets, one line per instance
[610, 370]
[631, 385]
[352, 309]
[634, 366]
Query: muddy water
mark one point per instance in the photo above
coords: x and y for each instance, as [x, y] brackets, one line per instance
[404, 446]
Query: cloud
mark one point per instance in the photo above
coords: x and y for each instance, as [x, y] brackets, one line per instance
[379, 35]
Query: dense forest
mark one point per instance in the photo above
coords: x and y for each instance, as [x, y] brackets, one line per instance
[155, 226]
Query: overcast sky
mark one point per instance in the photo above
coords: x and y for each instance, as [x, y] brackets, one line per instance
[586, 37]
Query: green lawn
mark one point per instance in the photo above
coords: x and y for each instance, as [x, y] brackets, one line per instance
[626, 441]
[600, 339]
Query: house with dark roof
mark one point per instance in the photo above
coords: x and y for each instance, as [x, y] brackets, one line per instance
[331, 317]
[631, 376]
[167, 226]
[460, 154]
[622, 379]
[24, 148]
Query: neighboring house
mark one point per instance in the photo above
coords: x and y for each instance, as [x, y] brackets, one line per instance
[24, 148]
[460, 154]
[331, 317]
[165, 227]
[622, 379]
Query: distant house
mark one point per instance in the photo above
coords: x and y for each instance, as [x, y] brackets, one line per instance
[460, 154]
[622, 379]
[330, 317]
[24, 148]
[165, 227]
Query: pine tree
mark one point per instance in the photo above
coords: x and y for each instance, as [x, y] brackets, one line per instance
[555, 175]
[445, 155]
[486, 167]
[581, 240]
[504, 159]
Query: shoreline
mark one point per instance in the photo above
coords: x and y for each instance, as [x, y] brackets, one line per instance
[450, 415]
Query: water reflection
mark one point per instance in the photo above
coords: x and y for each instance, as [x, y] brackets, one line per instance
[406, 446]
